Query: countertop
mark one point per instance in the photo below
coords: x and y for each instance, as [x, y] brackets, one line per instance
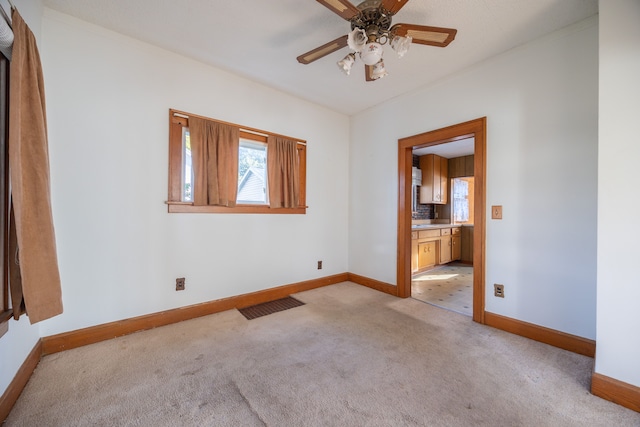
[433, 226]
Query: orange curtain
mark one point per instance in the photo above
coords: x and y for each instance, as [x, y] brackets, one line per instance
[214, 150]
[29, 168]
[284, 172]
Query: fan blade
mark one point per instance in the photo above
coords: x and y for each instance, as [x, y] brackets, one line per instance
[344, 8]
[323, 50]
[393, 6]
[368, 72]
[433, 36]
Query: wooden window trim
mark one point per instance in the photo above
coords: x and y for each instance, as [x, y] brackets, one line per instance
[6, 312]
[175, 204]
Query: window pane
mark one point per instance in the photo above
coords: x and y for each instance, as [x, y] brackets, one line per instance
[252, 176]
[460, 200]
[187, 170]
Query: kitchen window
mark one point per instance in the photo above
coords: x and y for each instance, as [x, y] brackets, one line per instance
[462, 200]
[267, 170]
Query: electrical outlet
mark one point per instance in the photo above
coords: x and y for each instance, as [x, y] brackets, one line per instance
[319, 265]
[498, 290]
[180, 284]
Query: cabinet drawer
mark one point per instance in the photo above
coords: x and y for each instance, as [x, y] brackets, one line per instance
[423, 234]
[445, 231]
[414, 235]
[455, 230]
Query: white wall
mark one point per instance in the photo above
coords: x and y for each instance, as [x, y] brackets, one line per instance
[618, 350]
[18, 342]
[541, 103]
[119, 250]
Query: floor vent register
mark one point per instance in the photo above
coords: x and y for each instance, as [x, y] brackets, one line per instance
[270, 307]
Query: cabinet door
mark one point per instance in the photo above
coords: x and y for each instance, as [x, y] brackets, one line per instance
[456, 248]
[426, 189]
[414, 255]
[426, 255]
[445, 249]
[437, 181]
[444, 180]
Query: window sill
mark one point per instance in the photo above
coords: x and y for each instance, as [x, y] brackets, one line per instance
[4, 322]
[182, 207]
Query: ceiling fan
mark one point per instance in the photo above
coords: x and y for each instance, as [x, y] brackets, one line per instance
[370, 30]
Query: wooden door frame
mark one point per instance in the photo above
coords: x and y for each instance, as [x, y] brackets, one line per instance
[478, 130]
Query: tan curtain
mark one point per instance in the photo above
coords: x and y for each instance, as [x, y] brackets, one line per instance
[284, 172]
[29, 167]
[214, 150]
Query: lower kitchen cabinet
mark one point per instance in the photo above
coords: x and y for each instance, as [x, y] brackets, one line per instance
[456, 248]
[414, 253]
[434, 247]
[426, 254]
[445, 249]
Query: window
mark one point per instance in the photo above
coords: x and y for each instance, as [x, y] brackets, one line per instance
[5, 306]
[187, 170]
[463, 200]
[253, 174]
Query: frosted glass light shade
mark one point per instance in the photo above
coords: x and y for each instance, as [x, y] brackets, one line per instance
[371, 53]
[401, 45]
[346, 63]
[378, 71]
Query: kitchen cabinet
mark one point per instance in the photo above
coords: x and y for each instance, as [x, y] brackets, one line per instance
[456, 248]
[434, 246]
[414, 252]
[445, 249]
[460, 167]
[435, 179]
[426, 254]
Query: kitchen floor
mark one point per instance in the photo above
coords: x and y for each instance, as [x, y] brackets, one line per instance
[448, 286]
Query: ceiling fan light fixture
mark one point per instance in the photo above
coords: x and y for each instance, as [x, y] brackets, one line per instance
[357, 39]
[378, 71]
[401, 45]
[346, 63]
[371, 54]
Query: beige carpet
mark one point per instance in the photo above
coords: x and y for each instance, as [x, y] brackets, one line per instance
[350, 357]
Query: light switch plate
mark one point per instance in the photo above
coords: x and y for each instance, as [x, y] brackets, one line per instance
[496, 212]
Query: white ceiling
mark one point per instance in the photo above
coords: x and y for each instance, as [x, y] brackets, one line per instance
[260, 39]
[450, 150]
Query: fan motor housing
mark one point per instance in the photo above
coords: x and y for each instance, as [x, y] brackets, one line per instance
[372, 16]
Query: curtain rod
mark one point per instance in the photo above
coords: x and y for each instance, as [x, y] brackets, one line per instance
[184, 116]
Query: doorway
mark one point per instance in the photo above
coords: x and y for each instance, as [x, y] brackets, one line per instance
[473, 129]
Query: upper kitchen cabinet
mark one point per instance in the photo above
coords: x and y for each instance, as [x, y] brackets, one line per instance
[434, 179]
[461, 167]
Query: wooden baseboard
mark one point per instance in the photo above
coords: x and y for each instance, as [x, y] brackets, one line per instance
[616, 391]
[552, 337]
[11, 394]
[94, 334]
[373, 284]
